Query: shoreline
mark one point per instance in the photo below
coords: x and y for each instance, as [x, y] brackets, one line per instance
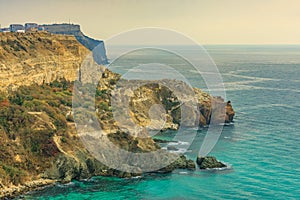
[15, 191]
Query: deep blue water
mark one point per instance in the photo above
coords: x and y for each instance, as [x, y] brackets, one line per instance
[263, 83]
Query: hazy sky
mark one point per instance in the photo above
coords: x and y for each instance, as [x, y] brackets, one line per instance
[206, 21]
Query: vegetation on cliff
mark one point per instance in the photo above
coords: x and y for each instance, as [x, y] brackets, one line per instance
[38, 137]
[30, 119]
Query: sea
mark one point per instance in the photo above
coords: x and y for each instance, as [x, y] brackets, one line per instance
[261, 147]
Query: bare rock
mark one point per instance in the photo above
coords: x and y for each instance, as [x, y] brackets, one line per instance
[209, 162]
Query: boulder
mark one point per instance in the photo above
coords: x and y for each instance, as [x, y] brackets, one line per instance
[181, 163]
[209, 162]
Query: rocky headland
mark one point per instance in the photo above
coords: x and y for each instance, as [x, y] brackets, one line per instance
[38, 138]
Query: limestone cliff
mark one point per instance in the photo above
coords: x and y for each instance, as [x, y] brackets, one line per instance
[97, 46]
[152, 105]
[27, 58]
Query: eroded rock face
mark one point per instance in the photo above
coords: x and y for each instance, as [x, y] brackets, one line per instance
[156, 107]
[27, 58]
[229, 112]
[209, 162]
[81, 166]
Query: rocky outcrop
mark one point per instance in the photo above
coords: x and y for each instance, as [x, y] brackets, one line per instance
[229, 113]
[167, 104]
[181, 163]
[209, 162]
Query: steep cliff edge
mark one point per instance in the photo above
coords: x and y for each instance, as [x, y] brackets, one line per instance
[97, 46]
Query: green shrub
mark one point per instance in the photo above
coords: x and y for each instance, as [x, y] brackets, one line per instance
[16, 175]
[16, 99]
[103, 106]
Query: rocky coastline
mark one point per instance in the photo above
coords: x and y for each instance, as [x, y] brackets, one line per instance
[15, 191]
[38, 135]
[72, 171]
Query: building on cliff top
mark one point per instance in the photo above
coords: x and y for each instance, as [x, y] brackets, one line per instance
[67, 29]
[4, 30]
[16, 28]
[96, 46]
[31, 27]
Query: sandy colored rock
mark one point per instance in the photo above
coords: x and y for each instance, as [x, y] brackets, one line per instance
[27, 58]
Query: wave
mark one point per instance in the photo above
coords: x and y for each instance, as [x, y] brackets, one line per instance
[177, 150]
[233, 73]
[267, 106]
[60, 185]
[227, 168]
[178, 143]
[201, 72]
[183, 172]
[250, 79]
[237, 86]
[226, 124]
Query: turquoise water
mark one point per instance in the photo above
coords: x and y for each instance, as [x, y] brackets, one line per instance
[263, 83]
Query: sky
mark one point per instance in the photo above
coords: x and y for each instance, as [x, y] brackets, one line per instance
[205, 21]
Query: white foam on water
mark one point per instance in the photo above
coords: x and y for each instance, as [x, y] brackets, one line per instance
[183, 172]
[178, 143]
[179, 151]
[228, 167]
[259, 79]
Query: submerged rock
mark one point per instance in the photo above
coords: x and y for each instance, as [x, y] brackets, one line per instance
[209, 162]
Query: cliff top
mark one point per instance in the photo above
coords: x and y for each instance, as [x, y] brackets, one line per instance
[15, 47]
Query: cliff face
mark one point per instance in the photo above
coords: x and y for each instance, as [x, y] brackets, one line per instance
[156, 107]
[27, 58]
[97, 46]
